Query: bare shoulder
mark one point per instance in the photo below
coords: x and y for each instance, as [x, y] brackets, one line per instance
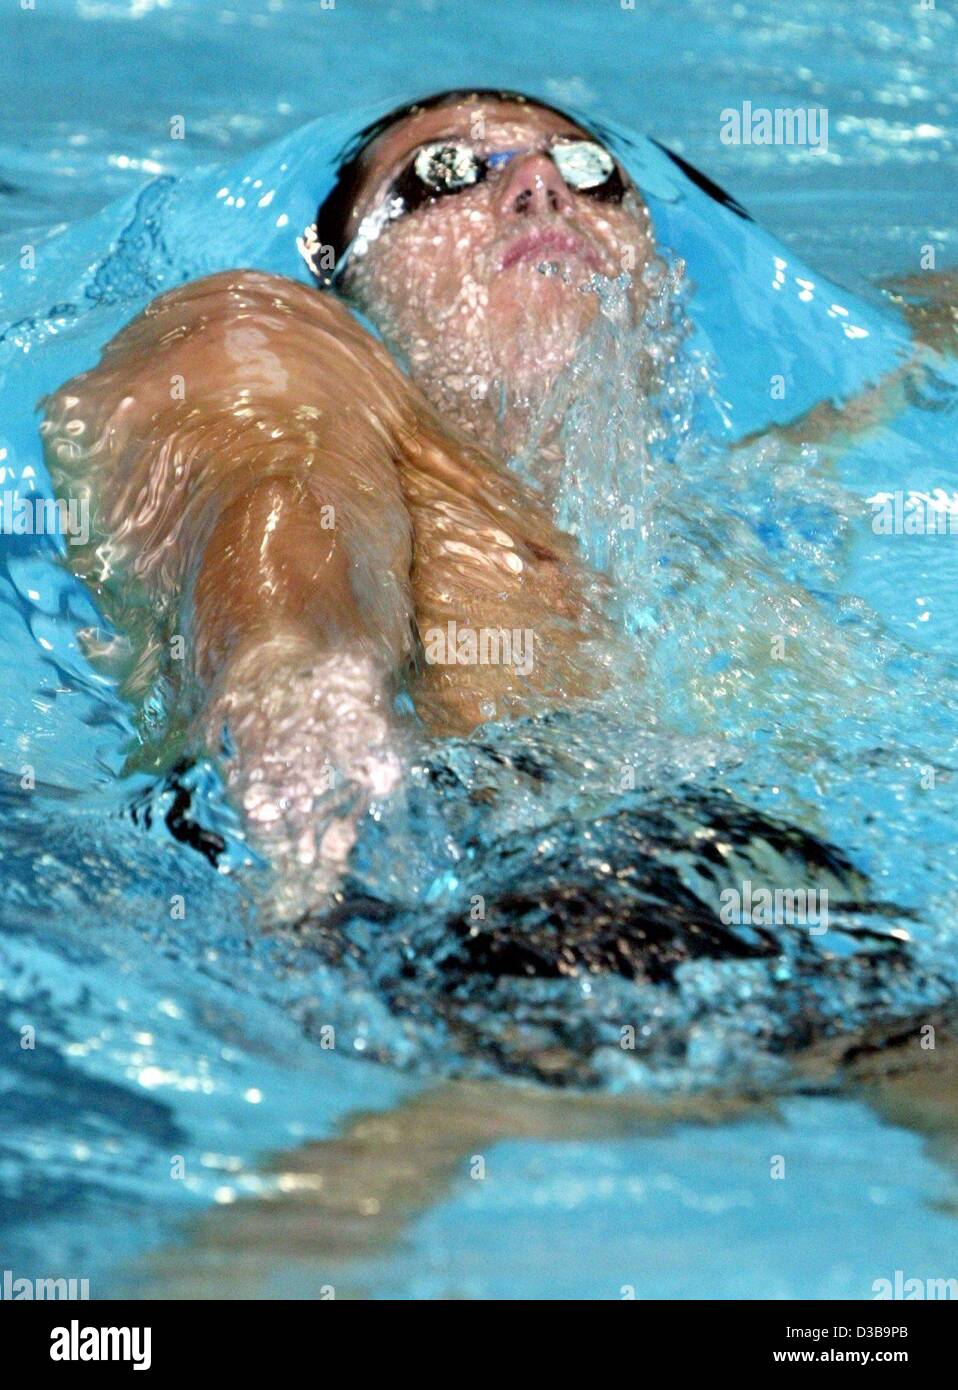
[219, 303]
[244, 344]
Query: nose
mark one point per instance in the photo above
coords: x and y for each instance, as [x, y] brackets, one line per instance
[532, 184]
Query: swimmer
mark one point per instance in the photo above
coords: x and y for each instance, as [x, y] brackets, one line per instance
[308, 512]
[314, 504]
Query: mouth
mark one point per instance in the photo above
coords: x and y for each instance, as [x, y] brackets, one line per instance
[548, 245]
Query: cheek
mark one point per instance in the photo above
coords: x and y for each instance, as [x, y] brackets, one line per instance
[626, 239]
[424, 273]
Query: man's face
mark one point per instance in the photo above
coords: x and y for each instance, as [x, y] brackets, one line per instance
[484, 291]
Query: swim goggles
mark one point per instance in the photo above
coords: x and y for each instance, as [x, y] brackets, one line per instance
[444, 168]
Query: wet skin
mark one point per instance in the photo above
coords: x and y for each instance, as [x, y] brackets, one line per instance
[305, 514]
[477, 320]
[308, 513]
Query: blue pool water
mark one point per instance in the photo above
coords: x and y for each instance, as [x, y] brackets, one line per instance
[181, 1120]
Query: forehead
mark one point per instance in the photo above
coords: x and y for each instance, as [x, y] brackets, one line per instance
[502, 124]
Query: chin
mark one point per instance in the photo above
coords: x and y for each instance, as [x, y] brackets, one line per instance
[535, 327]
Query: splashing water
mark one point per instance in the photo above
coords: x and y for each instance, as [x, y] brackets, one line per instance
[528, 893]
[731, 572]
[492, 898]
[617, 416]
[203, 1037]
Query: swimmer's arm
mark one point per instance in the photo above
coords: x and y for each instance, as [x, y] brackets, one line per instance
[929, 303]
[260, 509]
[828, 423]
[258, 493]
[274, 568]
